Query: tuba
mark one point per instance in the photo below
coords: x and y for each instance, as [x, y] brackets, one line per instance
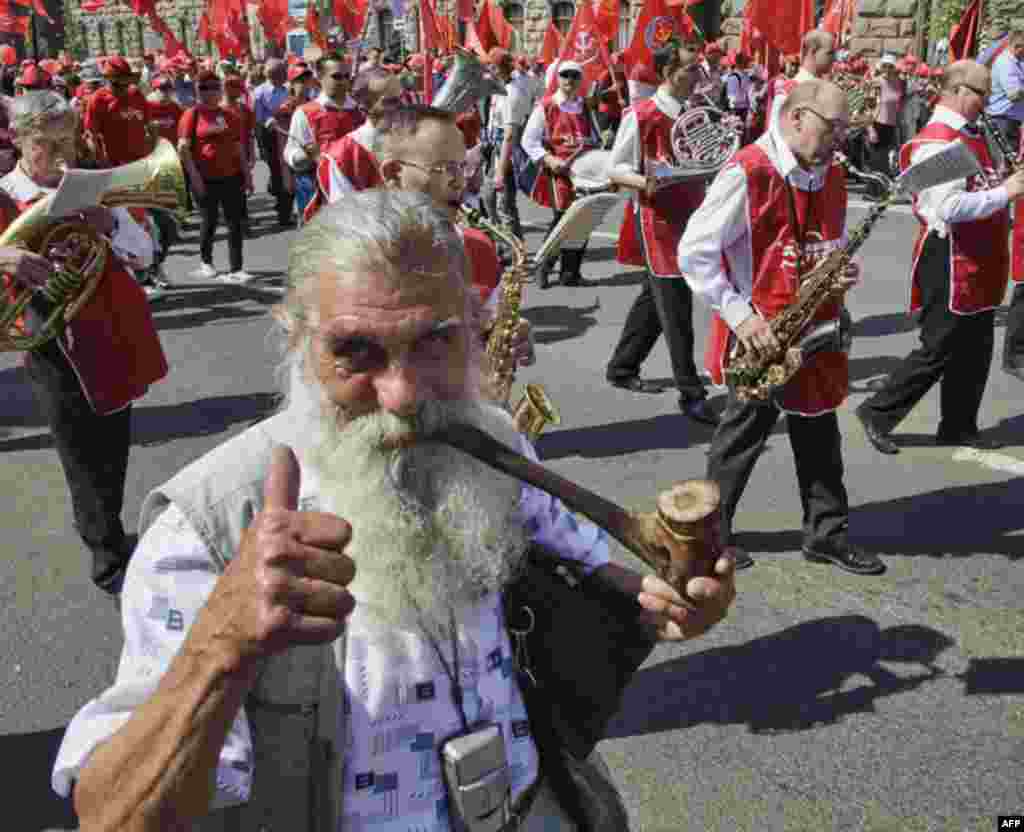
[468, 83]
[78, 252]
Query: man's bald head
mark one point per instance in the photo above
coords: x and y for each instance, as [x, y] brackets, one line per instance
[814, 40]
[823, 97]
[816, 52]
[965, 72]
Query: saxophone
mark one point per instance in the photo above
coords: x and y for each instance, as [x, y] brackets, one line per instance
[757, 376]
[535, 410]
[1010, 160]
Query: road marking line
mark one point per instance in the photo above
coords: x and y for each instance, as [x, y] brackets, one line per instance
[991, 459]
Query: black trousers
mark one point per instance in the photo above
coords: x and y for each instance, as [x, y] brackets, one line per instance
[1013, 336]
[229, 194]
[93, 452]
[502, 206]
[663, 307]
[817, 453]
[955, 350]
[571, 258]
[878, 154]
[283, 199]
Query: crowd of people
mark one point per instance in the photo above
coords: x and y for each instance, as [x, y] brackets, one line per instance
[263, 555]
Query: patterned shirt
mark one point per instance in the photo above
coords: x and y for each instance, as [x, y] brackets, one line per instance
[398, 703]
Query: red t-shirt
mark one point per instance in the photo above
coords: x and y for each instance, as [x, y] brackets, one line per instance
[215, 136]
[165, 116]
[120, 123]
[246, 116]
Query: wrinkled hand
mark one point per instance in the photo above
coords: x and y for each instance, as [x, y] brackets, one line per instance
[26, 268]
[849, 278]
[672, 617]
[521, 347]
[287, 584]
[756, 335]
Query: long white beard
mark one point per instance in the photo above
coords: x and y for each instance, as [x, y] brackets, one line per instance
[432, 528]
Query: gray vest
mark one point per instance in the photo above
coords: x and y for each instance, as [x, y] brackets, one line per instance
[294, 709]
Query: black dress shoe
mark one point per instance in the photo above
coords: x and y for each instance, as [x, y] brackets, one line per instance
[637, 384]
[967, 440]
[700, 411]
[881, 441]
[741, 556]
[844, 555]
[571, 280]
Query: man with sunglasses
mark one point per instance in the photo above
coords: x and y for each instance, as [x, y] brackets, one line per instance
[958, 278]
[318, 123]
[116, 121]
[561, 127]
[774, 211]
[665, 304]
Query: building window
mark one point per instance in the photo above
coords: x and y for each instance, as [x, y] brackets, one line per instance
[385, 29]
[625, 25]
[562, 15]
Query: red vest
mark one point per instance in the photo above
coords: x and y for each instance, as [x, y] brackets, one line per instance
[329, 124]
[565, 135]
[356, 164]
[980, 258]
[484, 266]
[662, 217]
[1017, 241]
[821, 385]
[112, 343]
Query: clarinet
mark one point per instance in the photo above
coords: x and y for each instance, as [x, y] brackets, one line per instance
[1009, 156]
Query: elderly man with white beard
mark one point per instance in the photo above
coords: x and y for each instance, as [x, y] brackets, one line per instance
[334, 554]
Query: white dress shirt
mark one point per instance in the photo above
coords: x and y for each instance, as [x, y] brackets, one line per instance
[952, 202]
[394, 683]
[130, 241]
[721, 226]
[737, 89]
[626, 153]
[536, 127]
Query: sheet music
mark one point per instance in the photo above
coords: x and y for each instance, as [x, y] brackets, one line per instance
[955, 161]
[79, 189]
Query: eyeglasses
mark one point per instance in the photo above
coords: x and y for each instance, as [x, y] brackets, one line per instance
[450, 169]
[572, 75]
[980, 93]
[835, 125]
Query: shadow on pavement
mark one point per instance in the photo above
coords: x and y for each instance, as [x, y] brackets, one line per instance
[670, 432]
[958, 522]
[894, 323]
[560, 323]
[862, 369]
[163, 423]
[27, 782]
[632, 278]
[787, 681]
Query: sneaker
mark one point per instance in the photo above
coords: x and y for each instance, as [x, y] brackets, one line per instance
[239, 278]
[160, 278]
[205, 272]
[153, 292]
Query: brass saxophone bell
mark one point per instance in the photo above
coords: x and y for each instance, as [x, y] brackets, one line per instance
[534, 412]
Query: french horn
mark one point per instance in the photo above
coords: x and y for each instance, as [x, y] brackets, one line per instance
[78, 252]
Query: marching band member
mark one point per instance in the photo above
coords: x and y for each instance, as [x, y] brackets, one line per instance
[318, 123]
[560, 128]
[741, 253]
[665, 304]
[817, 54]
[961, 263]
[86, 382]
[351, 163]
[1013, 337]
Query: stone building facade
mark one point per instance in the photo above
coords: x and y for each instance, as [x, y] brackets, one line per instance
[115, 28]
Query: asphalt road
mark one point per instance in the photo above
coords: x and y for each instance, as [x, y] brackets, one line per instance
[824, 702]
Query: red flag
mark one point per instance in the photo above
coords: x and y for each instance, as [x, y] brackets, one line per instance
[500, 26]
[607, 14]
[351, 16]
[484, 30]
[313, 25]
[783, 24]
[963, 39]
[585, 46]
[430, 39]
[657, 24]
[14, 19]
[473, 40]
[838, 18]
[466, 10]
[274, 18]
[172, 46]
[552, 44]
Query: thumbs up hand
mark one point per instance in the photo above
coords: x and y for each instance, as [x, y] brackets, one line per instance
[287, 583]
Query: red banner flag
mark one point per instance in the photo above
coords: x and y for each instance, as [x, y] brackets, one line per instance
[14, 19]
[172, 46]
[273, 17]
[783, 24]
[838, 18]
[312, 25]
[657, 24]
[466, 10]
[963, 39]
[351, 16]
[36, 6]
[606, 12]
[484, 30]
[472, 41]
[552, 44]
[500, 26]
[584, 45]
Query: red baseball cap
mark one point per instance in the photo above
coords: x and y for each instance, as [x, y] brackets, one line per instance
[34, 77]
[117, 67]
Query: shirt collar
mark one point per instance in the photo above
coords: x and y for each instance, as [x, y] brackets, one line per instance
[667, 104]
